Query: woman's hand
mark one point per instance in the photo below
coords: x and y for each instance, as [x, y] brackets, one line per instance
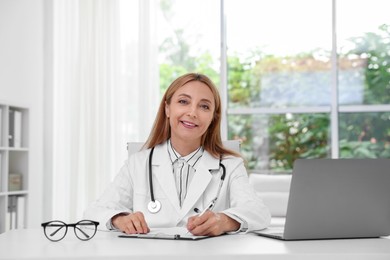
[133, 223]
[211, 224]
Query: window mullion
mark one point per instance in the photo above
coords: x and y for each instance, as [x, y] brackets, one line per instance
[223, 75]
[334, 119]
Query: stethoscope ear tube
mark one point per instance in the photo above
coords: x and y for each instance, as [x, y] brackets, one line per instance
[154, 206]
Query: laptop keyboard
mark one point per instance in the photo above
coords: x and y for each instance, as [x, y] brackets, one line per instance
[277, 234]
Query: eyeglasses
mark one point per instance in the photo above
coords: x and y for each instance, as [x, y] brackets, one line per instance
[56, 230]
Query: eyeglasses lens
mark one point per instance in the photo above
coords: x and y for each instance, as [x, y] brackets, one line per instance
[85, 229]
[55, 230]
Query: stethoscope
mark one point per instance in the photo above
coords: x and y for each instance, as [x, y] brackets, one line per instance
[154, 205]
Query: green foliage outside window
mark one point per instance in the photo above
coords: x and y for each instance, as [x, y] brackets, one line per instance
[292, 136]
[368, 135]
[375, 47]
[298, 136]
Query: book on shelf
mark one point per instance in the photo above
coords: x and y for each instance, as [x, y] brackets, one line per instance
[15, 213]
[1, 172]
[15, 181]
[7, 220]
[10, 222]
[20, 211]
[11, 128]
[1, 127]
[15, 128]
[18, 129]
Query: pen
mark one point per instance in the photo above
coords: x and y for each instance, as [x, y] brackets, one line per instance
[209, 207]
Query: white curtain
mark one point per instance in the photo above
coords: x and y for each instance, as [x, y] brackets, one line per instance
[105, 94]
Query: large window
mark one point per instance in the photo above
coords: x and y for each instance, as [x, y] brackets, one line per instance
[293, 90]
[189, 39]
[279, 75]
[363, 48]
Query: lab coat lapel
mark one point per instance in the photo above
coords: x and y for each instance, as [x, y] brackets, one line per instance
[162, 171]
[200, 181]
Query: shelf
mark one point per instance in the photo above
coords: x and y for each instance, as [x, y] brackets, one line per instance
[14, 193]
[14, 166]
[21, 149]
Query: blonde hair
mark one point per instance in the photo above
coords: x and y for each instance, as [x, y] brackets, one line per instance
[211, 139]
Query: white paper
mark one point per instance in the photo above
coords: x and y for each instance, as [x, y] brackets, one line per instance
[167, 233]
[171, 231]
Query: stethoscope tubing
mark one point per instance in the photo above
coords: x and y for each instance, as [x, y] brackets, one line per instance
[150, 175]
[154, 205]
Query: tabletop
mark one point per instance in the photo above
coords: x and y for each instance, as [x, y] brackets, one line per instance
[32, 244]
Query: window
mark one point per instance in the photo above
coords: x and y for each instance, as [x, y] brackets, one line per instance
[188, 39]
[279, 75]
[363, 48]
[294, 90]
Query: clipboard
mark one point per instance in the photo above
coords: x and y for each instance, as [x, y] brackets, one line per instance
[174, 233]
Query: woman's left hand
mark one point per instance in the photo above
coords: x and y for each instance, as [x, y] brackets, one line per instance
[211, 224]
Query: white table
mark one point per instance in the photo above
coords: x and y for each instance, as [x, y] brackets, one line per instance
[32, 244]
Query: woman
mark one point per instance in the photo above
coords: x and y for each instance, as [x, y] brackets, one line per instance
[188, 165]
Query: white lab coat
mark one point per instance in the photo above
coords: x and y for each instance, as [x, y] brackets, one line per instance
[130, 192]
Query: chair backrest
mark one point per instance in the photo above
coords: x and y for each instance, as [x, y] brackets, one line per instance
[273, 190]
[133, 147]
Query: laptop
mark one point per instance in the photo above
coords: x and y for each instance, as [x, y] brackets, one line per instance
[336, 198]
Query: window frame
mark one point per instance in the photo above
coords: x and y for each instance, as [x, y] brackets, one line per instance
[334, 109]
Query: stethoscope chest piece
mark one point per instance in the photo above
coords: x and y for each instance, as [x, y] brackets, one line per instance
[154, 206]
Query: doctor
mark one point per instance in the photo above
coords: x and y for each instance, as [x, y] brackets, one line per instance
[185, 177]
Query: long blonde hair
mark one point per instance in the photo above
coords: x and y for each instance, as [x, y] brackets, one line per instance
[211, 139]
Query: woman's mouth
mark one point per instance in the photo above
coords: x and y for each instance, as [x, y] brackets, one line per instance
[187, 124]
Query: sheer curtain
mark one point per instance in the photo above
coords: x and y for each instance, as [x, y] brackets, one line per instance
[105, 88]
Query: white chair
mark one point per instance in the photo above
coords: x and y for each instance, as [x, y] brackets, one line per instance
[133, 147]
[274, 191]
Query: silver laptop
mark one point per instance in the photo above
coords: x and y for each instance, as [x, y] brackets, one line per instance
[336, 198]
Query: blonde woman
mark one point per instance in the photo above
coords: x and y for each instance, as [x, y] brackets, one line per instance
[184, 177]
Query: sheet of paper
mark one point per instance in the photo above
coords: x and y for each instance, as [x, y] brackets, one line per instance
[167, 233]
[170, 231]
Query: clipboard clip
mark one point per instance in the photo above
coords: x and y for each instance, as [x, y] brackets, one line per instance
[163, 236]
[157, 236]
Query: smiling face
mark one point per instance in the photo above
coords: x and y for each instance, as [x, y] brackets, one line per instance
[190, 113]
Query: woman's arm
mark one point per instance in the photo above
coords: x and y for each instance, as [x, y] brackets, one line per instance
[116, 199]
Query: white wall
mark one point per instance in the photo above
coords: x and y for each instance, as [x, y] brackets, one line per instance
[22, 82]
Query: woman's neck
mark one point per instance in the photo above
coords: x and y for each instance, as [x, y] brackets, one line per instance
[184, 148]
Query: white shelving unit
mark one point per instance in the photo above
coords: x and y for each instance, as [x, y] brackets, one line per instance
[14, 166]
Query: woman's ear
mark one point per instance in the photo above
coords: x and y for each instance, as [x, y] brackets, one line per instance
[166, 109]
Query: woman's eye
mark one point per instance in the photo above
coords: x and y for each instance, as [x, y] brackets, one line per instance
[183, 101]
[205, 107]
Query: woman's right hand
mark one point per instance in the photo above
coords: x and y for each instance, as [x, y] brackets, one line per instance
[133, 223]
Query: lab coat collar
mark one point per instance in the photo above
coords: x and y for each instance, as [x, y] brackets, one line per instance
[198, 185]
[161, 156]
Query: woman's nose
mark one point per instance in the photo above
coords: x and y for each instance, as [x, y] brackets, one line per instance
[192, 112]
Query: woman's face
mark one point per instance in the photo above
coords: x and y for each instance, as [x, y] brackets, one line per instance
[190, 112]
